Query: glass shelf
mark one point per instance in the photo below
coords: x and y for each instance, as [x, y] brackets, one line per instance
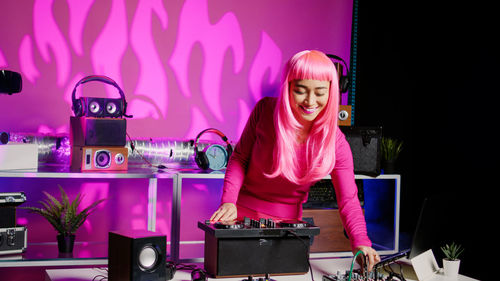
[47, 254]
[95, 253]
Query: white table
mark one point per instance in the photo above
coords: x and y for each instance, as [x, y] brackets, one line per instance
[320, 267]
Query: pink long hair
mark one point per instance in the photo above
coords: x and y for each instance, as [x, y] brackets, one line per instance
[319, 158]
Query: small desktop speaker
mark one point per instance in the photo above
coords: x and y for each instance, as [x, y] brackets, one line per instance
[89, 131]
[137, 256]
[99, 158]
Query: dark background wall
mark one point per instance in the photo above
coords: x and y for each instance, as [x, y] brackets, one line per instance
[427, 73]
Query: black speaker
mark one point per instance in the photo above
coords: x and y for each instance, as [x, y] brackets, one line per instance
[256, 256]
[137, 256]
[99, 107]
[365, 143]
[88, 131]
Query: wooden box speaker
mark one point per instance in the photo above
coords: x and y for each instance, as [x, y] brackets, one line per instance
[99, 158]
[137, 256]
[88, 131]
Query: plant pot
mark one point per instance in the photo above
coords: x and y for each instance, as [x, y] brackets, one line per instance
[389, 166]
[65, 243]
[451, 268]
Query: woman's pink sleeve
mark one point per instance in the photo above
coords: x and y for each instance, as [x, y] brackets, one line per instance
[346, 191]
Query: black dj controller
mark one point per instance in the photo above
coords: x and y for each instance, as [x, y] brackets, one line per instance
[259, 228]
[257, 247]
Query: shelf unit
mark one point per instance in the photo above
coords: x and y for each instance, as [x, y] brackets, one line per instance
[177, 176]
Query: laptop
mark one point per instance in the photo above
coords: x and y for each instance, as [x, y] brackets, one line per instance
[418, 244]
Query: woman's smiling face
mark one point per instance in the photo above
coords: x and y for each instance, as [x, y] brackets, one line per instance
[308, 99]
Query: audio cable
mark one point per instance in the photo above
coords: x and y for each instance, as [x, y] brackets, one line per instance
[352, 263]
[132, 146]
[307, 248]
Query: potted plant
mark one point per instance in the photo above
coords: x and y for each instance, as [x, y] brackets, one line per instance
[451, 263]
[63, 215]
[390, 148]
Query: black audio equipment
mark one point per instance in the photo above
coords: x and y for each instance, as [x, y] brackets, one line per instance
[137, 256]
[366, 149]
[8, 203]
[257, 247]
[13, 240]
[4, 137]
[214, 156]
[10, 82]
[90, 131]
[344, 80]
[99, 158]
[322, 195]
[99, 107]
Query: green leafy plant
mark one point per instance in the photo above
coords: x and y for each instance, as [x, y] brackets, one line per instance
[453, 251]
[63, 214]
[391, 148]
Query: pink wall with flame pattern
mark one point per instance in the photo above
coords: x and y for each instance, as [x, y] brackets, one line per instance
[183, 65]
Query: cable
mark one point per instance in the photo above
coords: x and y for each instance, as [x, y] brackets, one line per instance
[102, 278]
[196, 272]
[132, 146]
[307, 248]
[352, 263]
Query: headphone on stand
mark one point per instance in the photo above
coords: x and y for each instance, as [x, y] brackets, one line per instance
[99, 107]
[344, 80]
[219, 155]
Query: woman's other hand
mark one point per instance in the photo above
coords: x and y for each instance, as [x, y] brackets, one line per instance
[373, 256]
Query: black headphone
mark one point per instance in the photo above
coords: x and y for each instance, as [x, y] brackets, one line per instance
[344, 80]
[200, 157]
[99, 107]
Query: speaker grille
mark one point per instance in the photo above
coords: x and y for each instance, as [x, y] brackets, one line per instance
[148, 257]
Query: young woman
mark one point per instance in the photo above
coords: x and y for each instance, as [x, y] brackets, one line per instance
[289, 143]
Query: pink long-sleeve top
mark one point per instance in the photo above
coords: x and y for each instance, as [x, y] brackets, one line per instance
[246, 184]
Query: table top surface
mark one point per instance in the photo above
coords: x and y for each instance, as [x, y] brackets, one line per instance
[320, 267]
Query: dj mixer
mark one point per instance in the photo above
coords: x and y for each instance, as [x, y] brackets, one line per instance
[257, 247]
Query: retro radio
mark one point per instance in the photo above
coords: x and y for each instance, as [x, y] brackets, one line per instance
[99, 158]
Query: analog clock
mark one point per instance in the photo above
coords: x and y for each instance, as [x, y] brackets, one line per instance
[216, 156]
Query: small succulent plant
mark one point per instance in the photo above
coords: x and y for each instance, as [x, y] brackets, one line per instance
[452, 251]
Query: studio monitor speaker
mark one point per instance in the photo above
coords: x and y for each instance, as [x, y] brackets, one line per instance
[137, 256]
[89, 131]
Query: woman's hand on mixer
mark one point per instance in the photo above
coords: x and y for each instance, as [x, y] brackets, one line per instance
[225, 212]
